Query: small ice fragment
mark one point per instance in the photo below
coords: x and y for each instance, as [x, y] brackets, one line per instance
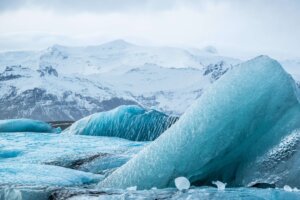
[287, 188]
[296, 189]
[133, 188]
[182, 183]
[220, 185]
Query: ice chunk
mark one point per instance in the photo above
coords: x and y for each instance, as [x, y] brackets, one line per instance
[182, 183]
[288, 188]
[220, 185]
[90, 154]
[129, 122]
[133, 188]
[241, 116]
[43, 175]
[26, 125]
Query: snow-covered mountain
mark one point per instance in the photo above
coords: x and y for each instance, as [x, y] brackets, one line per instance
[68, 83]
[47, 95]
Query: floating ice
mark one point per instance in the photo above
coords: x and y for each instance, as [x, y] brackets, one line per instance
[26, 125]
[182, 183]
[89, 154]
[220, 185]
[43, 175]
[133, 188]
[243, 115]
[129, 122]
[287, 188]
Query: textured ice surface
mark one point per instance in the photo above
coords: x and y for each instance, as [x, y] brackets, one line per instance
[26, 125]
[129, 122]
[278, 165]
[242, 116]
[195, 193]
[47, 159]
[43, 175]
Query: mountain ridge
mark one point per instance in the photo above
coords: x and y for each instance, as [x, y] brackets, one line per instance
[68, 83]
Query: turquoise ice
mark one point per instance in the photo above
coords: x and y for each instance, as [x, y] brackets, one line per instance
[26, 125]
[129, 122]
[43, 175]
[44, 160]
[239, 120]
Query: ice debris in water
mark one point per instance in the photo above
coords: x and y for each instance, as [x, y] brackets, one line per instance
[129, 122]
[290, 189]
[182, 183]
[26, 125]
[241, 111]
[220, 185]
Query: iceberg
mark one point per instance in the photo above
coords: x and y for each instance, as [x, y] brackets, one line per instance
[238, 120]
[129, 122]
[26, 125]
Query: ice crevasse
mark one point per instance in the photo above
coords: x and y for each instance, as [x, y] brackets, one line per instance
[242, 131]
[130, 122]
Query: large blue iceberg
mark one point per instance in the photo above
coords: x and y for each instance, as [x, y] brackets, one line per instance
[129, 122]
[26, 125]
[248, 118]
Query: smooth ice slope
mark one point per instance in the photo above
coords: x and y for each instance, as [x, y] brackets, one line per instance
[240, 117]
[129, 122]
[26, 125]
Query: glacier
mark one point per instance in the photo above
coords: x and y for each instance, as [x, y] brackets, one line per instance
[26, 125]
[249, 112]
[129, 122]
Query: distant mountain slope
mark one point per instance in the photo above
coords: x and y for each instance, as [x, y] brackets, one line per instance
[45, 95]
[68, 83]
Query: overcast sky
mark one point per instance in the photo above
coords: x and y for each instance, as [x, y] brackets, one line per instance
[235, 27]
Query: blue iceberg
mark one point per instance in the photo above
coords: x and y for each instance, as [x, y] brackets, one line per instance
[129, 122]
[243, 119]
[26, 125]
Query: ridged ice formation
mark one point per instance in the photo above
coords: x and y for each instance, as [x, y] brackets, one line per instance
[240, 122]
